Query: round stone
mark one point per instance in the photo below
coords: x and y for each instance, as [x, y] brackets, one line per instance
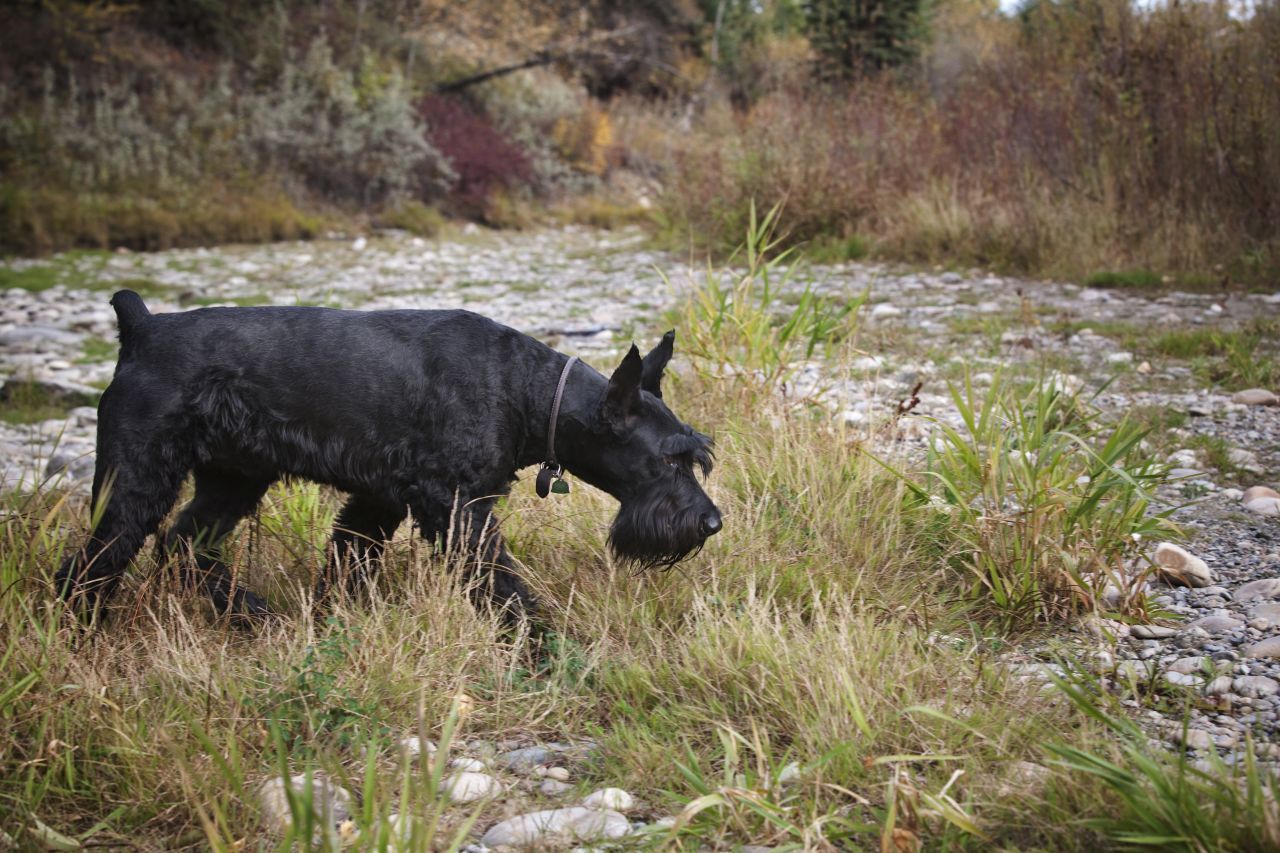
[1264, 506]
[1255, 397]
[1261, 588]
[1254, 492]
[414, 746]
[330, 803]
[1178, 565]
[554, 788]
[1268, 648]
[1255, 686]
[468, 787]
[1188, 665]
[1183, 680]
[1218, 623]
[1270, 612]
[610, 798]
[1220, 685]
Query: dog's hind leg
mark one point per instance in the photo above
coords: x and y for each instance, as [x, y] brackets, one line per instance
[129, 500]
[359, 534]
[468, 530]
[491, 574]
[222, 498]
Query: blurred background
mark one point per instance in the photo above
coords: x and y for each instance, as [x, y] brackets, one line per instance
[1051, 138]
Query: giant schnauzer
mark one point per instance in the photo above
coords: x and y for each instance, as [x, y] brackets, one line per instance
[429, 413]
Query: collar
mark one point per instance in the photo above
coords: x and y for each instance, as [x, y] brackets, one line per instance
[552, 470]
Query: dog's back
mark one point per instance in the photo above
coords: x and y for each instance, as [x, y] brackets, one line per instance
[344, 397]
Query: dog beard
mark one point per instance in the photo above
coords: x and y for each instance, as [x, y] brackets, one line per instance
[652, 532]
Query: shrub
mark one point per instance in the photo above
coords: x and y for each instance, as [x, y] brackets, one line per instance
[1071, 149]
[413, 216]
[1037, 502]
[482, 159]
[350, 136]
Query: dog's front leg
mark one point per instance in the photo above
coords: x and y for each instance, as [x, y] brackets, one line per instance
[359, 535]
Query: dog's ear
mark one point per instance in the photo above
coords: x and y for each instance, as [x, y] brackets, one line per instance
[623, 395]
[655, 362]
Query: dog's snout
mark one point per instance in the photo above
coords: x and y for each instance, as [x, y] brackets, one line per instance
[710, 523]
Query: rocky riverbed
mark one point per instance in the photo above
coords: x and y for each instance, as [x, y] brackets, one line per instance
[591, 293]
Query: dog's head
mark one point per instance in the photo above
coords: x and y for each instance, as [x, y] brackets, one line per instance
[650, 460]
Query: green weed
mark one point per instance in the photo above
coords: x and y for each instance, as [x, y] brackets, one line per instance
[1166, 801]
[751, 323]
[1037, 502]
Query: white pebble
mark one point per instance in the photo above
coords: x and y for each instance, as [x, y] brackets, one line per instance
[610, 798]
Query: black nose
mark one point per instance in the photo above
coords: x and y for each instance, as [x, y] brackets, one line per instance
[710, 524]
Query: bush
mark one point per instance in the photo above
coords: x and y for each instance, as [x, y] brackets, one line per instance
[414, 217]
[349, 135]
[482, 159]
[102, 164]
[1039, 504]
[1071, 149]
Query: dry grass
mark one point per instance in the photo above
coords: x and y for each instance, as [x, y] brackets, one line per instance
[828, 627]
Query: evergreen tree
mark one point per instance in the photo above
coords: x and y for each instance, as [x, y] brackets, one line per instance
[854, 37]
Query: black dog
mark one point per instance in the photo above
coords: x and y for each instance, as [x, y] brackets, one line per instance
[424, 412]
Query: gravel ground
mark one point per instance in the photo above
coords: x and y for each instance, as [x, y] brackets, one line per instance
[589, 292]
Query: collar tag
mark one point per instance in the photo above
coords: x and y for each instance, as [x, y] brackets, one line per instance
[551, 479]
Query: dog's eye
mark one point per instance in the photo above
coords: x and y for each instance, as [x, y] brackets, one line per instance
[671, 461]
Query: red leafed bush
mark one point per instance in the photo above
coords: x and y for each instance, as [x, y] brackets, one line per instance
[483, 159]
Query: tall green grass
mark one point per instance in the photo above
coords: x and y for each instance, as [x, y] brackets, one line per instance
[1039, 502]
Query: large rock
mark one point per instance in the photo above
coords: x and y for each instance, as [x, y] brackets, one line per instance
[1190, 665]
[1152, 632]
[526, 759]
[1218, 623]
[1254, 492]
[1255, 397]
[1255, 686]
[1262, 588]
[573, 824]
[413, 746]
[1196, 739]
[1268, 648]
[1264, 506]
[1178, 565]
[331, 804]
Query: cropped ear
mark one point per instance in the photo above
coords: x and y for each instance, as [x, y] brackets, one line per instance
[623, 395]
[655, 362]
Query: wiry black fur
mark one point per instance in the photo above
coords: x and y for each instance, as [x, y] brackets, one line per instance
[428, 413]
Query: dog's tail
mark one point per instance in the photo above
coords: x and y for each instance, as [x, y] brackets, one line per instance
[131, 312]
